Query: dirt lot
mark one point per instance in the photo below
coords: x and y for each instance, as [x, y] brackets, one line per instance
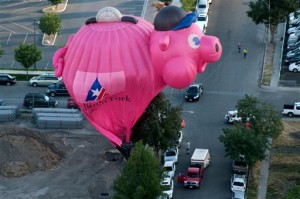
[56, 164]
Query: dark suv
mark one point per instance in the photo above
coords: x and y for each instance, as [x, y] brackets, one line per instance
[39, 100]
[194, 92]
[6, 79]
[57, 89]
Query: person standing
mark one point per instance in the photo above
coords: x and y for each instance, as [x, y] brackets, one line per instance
[245, 51]
[239, 47]
[188, 146]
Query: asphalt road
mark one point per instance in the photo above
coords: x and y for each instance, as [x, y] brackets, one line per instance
[224, 83]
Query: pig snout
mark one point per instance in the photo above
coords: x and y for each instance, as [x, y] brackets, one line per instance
[211, 49]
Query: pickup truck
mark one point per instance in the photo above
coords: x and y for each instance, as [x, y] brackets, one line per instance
[291, 109]
[192, 178]
[240, 166]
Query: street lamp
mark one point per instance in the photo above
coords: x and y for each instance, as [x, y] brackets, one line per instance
[34, 22]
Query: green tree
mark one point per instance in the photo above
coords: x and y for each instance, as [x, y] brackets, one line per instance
[240, 140]
[140, 178]
[264, 119]
[271, 12]
[50, 23]
[265, 123]
[188, 5]
[27, 55]
[159, 125]
[1, 51]
[56, 2]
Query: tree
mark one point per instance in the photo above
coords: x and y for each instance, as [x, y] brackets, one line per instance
[56, 2]
[50, 23]
[1, 51]
[252, 142]
[264, 119]
[27, 55]
[271, 12]
[159, 125]
[140, 177]
[188, 5]
[240, 140]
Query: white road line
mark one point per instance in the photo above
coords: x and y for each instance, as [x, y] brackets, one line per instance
[25, 38]
[22, 26]
[39, 4]
[8, 38]
[12, 64]
[7, 29]
[144, 9]
[12, 5]
[47, 65]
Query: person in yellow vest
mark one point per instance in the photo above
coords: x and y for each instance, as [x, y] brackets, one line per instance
[245, 51]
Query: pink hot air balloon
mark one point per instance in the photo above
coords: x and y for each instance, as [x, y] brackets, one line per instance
[115, 65]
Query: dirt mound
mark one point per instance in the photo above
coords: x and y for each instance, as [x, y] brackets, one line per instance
[24, 151]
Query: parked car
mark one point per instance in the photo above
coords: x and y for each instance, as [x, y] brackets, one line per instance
[294, 21]
[295, 58]
[32, 100]
[171, 155]
[292, 53]
[72, 104]
[293, 30]
[167, 186]
[202, 6]
[293, 38]
[6, 79]
[202, 21]
[238, 195]
[294, 15]
[169, 169]
[232, 117]
[293, 46]
[44, 80]
[58, 88]
[194, 92]
[238, 183]
[294, 67]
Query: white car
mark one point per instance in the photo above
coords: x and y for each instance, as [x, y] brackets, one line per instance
[202, 6]
[168, 187]
[238, 183]
[232, 117]
[169, 169]
[171, 155]
[293, 38]
[293, 30]
[202, 21]
[292, 15]
[294, 67]
[238, 195]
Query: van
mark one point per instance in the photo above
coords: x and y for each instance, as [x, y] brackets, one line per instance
[202, 6]
[200, 158]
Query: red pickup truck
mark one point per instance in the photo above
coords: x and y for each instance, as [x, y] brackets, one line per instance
[192, 178]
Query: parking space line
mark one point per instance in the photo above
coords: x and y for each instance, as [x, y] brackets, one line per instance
[22, 26]
[8, 38]
[39, 4]
[47, 65]
[12, 5]
[25, 38]
[12, 64]
[7, 29]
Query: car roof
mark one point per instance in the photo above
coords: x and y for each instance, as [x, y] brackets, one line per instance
[168, 163]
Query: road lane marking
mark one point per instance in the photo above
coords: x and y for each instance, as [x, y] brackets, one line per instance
[8, 38]
[12, 63]
[39, 4]
[144, 9]
[22, 26]
[25, 38]
[7, 29]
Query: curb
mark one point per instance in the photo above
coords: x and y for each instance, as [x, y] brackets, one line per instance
[52, 8]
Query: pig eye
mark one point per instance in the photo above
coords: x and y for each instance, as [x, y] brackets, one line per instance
[194, 41]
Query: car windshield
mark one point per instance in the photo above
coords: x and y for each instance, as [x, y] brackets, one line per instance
[169, 168]
[192, 89]
[202, 6]
[166, 187]
[193, 175]
[170, 153]
[46, 98]
[239, 184]
[10, 76]
[201, 18]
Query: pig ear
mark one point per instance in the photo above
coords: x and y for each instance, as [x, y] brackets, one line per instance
[164, 42]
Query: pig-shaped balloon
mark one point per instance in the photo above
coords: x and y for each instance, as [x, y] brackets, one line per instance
[115, 65]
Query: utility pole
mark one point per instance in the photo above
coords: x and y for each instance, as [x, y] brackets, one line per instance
[34, 22]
